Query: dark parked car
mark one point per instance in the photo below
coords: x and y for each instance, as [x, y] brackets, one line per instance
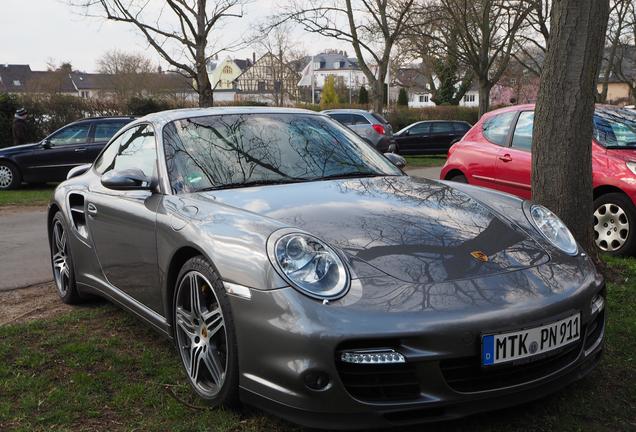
[372, 127]
[297, 269]
[430, 137]
[51, 159]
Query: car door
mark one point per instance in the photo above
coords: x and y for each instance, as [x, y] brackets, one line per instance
[57, 154]
[482, 155]
[414, 140]
[103, 131]
[514, 163]
[442, 134]
[122, 224]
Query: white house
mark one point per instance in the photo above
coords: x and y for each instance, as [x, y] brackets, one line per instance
[418, 89]
[332, 63]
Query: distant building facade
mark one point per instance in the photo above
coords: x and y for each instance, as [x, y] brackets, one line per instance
[269, 80]
[344, 69]
[419, 91]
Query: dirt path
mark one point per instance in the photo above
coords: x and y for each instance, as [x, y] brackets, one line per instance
[34, 302]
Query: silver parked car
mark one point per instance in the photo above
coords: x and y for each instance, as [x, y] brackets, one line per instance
[298, 270]
[371, 126]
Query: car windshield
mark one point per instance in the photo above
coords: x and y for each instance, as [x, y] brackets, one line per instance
[239, 150]
[615, 129]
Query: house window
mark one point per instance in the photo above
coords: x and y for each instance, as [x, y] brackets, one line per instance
[17, 83]
[424, 98]
[227, 69]
[84, 94]
[513, 81]
[469, 98]
[261, 86]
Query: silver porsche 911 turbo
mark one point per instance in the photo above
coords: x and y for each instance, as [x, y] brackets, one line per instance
[299, 270]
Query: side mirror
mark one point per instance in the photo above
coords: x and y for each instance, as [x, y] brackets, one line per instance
[78, 171]
[396, 159]
[46, 143]
[128, 179]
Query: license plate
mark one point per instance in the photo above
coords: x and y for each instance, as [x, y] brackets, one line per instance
[507, 347]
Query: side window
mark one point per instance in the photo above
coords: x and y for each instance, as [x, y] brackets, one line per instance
[74, 134]
[342, 118]
[461, 127]
[441, 128]
[357, 119]
[136, 148]
[420, 129]
[522, 138]
[496, 128]
[104, 131]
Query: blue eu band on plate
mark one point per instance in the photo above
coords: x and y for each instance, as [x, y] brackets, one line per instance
[506, 347]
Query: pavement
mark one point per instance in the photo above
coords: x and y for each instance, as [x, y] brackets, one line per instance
[24, 250]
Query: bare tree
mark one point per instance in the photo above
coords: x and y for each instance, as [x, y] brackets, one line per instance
[532, 40]
[128, 74]
[196, 19]
[486, 32]
[372, 27]
[618, 32]
[561, 150]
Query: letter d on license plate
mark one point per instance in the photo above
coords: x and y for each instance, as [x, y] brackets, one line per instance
[506, 347]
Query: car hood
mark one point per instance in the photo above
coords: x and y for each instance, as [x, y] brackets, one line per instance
[18, 148]
[415, 230]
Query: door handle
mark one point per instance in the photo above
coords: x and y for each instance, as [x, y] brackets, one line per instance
[80, 149]
[92, 210]
[505, 158]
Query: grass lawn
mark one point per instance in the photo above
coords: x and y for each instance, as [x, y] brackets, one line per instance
[97, 368]
[425, 161]
[27, 195]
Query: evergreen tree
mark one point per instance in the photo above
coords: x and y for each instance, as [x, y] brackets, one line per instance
[363, 96]
[403, 98]
[329, 95]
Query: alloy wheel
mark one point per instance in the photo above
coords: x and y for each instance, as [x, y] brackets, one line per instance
[61, 269]
[6, 177]
[201, 334]
[611, 227]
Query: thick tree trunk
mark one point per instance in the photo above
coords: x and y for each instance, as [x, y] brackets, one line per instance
[377, 96]
[561, 147]
[484, 96]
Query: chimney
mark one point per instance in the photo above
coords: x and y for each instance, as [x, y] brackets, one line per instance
[253, 57]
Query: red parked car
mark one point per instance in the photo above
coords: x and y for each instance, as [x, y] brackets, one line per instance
[495, 154]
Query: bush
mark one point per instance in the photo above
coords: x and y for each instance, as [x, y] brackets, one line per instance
[8, 106]
[403, 97]
[140, 106]
[363, 96]
[403, 117]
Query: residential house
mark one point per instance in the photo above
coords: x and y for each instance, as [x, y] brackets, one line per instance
[621, 79]
[419, 91]
[517, 85]
[223, 75]
[334, 63]
[269, 80]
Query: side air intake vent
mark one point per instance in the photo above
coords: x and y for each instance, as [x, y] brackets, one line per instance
[76, 202]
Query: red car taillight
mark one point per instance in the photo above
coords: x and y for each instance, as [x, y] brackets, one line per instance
[378, 128]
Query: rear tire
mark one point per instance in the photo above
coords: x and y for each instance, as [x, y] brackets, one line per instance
[459, 178]
[204, 332]
[10, 177]
[614, 224]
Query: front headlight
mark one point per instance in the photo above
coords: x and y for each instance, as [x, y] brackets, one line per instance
[310, 265]
[631, 165]
[553, 229]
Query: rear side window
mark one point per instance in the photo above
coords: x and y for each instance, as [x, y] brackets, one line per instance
[104, 131]
[342, 118]
[522, 138]
[357, 119]
[441, 128]
[461, 127]
[497, 128]
[420, 129]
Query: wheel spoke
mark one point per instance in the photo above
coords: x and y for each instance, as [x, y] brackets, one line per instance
[213, 364]
[213, 321]
[195, 301]
[185, 322]
[196, 355]
[58, 237]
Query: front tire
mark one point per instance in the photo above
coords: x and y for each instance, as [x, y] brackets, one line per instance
[614, 223]
[204, 333]
[62, 261]
[459, 178]
[10, 177]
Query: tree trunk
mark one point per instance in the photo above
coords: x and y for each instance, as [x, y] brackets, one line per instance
[377, 95]
[484, 96]
[561, 147]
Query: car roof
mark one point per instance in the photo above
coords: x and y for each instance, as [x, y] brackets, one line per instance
[598, 108]
[88, 119]
[346, 110]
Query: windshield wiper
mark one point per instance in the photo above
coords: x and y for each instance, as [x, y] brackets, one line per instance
[351, 175]
[251, 183]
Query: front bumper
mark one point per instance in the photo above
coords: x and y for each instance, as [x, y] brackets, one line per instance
[283, 336]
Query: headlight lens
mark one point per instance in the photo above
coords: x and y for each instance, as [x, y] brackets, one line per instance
[553, 229]
[311, 265]
[632, 166]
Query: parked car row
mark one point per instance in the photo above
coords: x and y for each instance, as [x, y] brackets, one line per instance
[496, 154]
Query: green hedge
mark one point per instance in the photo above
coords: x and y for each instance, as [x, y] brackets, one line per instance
[403, 117]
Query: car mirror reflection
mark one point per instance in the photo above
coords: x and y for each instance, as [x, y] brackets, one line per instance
[396, 159]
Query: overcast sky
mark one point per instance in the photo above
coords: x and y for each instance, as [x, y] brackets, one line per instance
[36, 32]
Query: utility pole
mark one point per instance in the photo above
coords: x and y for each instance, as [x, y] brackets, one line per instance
[313, 90]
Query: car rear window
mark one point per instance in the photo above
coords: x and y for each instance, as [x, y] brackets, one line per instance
[357, 119]
[461, 127]
[379, 118]
[342, 118]
[497, 127]
[106, 130]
